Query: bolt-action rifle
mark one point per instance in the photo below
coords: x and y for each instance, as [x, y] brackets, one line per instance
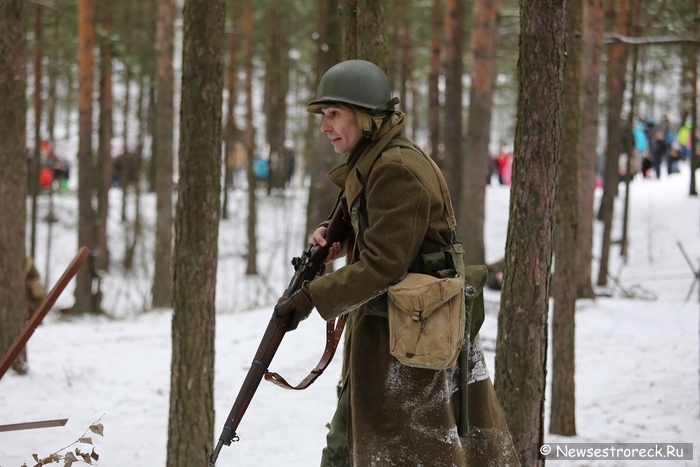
[309, 265]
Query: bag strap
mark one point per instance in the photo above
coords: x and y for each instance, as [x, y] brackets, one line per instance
[334, 329]
[450, 218]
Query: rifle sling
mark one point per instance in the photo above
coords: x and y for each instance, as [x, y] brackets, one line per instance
[334, 330]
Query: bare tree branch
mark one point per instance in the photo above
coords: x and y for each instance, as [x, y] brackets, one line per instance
[615, 38]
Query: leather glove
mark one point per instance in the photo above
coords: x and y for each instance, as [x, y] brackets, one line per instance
[299, 303]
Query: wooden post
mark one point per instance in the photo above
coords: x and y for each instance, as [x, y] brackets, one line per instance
[41, 312]
[33, 425]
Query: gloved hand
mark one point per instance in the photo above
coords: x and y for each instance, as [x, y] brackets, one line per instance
[299, 303]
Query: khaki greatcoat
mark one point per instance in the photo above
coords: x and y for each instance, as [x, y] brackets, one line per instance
[399, 415]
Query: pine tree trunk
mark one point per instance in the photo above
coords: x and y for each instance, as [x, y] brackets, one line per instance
[230, 129]
[276, 85]
[348, 14]
[13, 175]
[588, 142]
[364, 31]
[434, 112]
[563, 405]
[634, 31]
[320, 158]
[693, 63]
[521, 350]
[126, 110]
[162, 279]
[53, 71]
[404, 64]
[249, 140]
[36, 160]
[85, 302]
[454, 37]
[472, 206]
[190, 426]
[106, 130]
[616, 72]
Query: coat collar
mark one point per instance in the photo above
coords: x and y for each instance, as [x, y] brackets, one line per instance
[360, 160]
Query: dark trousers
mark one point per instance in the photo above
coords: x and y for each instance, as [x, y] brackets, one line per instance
[336, 453]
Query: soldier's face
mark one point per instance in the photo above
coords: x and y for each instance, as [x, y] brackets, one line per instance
[341, 126]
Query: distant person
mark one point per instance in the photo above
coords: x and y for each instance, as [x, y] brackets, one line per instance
[237, 162]
[673, 158]
[641, 150]
[289, 156]
[504, 165]
[659, 152]
[126, 168]
[683, 138]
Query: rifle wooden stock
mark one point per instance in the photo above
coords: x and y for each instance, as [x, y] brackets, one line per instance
[306, 269]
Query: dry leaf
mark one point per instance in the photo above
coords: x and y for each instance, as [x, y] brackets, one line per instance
[69, 459]
[97, 428]
[86, 440]
[94, 455]
[50, 459]
[84, 455]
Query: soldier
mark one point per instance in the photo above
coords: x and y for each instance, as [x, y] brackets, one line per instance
[390, 413]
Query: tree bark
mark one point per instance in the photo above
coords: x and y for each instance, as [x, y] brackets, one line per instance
[404, 64]
[36, 160]
[230, 129]
[433, 82]
[365, 31]
[521, 350]
[277, 86]
[190, 427]
[563, 405]
[634, 28]
[348, 14]
[162, 288]
[617, 68]
[320, 157]
[85, 300]
[249, 139]
[693, 59]
[13, 175]
[471, 213]
[588, 142]
[454, 39]
[53, 75]
[105, 133]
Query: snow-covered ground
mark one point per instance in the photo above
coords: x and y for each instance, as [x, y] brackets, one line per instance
[636, 358]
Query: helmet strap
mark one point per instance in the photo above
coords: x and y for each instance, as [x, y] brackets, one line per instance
[388, 106]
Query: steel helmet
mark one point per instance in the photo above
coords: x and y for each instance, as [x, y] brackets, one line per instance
[356, 82]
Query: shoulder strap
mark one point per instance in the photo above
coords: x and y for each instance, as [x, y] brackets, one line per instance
[334, 329]
[451, 219]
